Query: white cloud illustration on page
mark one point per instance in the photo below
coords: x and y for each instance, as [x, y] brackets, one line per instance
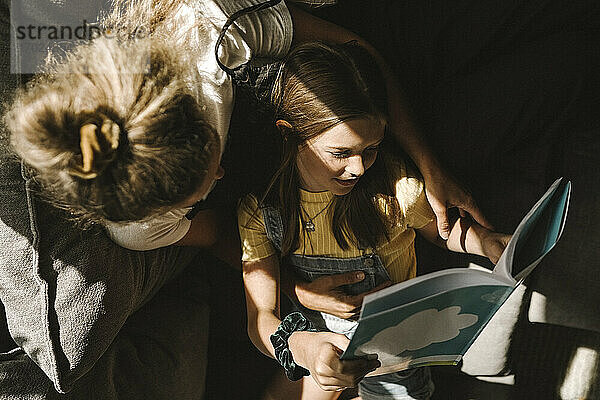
[416, 332]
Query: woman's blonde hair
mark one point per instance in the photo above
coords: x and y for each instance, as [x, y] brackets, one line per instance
[113, 129]
[320, 86]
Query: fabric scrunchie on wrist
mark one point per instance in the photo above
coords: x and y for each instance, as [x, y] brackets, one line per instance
[291, 323]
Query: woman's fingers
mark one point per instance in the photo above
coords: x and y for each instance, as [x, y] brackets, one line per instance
[469, 206]
[441, 215]
[443, 192]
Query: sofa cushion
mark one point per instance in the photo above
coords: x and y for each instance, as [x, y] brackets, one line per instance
[66, 292]
[160, 353]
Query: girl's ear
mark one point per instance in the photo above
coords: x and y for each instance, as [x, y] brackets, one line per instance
[283, 125]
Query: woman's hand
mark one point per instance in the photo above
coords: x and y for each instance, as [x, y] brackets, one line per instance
[493, 244]
[325, 294]
[443, 192]
[320, 352]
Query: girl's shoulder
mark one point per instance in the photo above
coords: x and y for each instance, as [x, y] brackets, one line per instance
[250, 212]
[408, 191]
[405, 181]
[249, 202]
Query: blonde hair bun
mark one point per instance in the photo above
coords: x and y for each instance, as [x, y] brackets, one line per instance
[98, 148]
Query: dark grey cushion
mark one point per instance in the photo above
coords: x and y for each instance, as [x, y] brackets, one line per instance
[160, 353]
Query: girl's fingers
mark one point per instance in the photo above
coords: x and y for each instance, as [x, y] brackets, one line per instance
[339, 342]
[375, 289]
[346, 374]
[348, 278]
[359, 368]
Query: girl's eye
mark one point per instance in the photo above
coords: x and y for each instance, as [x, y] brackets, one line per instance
[346, 154]
[340, 154]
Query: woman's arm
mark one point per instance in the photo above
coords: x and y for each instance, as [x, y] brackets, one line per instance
[443, 191]
[204, 230]
[216, 231]
[467, 236]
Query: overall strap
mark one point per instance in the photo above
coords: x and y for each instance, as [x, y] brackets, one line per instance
[273, 225]
[240, 73]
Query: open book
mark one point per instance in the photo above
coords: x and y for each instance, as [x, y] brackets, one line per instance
[433, 319]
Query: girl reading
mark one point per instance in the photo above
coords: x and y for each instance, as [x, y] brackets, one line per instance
[338, 202]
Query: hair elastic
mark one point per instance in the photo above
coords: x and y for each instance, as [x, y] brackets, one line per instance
[88, 143]
[290, 324]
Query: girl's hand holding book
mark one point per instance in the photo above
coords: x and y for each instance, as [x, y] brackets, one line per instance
[467, 236]
[493, 244]
[320, 352]
[326, 294]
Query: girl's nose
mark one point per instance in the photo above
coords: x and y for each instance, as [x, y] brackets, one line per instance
[355, 165]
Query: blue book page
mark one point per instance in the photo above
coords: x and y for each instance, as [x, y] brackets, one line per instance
[541, 234]
[435, 330]
[426, 286]
[537, 233]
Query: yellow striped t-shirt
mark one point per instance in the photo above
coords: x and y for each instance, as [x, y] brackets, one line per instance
[397, 254]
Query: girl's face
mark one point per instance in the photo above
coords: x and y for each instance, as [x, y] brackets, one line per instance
[335, 159]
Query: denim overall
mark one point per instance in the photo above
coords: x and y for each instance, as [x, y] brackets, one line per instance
[405, 385]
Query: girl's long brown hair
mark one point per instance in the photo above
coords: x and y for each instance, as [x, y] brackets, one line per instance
[318, 87]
